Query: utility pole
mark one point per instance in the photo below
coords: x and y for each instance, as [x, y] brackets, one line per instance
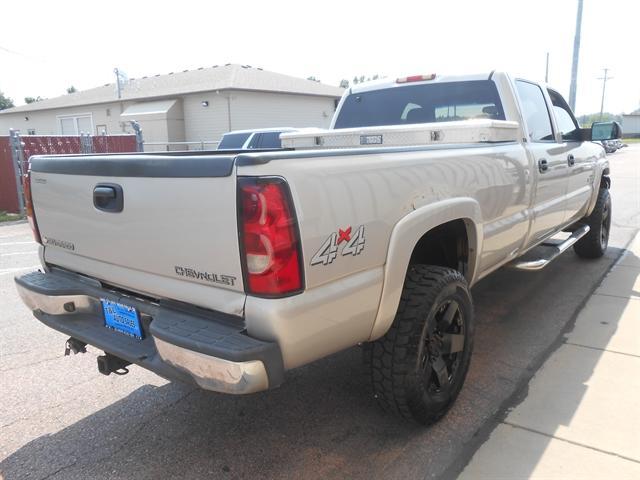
[574, 63]
[118, 86]
[546, 71]
[604, 86]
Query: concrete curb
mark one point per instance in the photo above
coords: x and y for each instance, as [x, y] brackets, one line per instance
[13, 222]
[578, 416]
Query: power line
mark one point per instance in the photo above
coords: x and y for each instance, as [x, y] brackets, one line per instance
[10, 51]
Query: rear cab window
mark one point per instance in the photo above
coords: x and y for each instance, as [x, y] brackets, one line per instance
[422, 103]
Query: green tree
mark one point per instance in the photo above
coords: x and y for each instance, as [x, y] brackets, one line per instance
[32, 99]
[5, 102]
[587, 120]
[71, 89]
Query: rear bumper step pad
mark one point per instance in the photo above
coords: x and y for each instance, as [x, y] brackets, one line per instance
[181, 342]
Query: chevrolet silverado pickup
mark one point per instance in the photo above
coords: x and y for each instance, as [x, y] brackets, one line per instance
[226, 269]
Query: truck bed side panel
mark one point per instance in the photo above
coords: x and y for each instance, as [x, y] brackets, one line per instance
[339, 193]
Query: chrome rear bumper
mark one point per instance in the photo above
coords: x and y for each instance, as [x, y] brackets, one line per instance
[180, 342]
[216, 374]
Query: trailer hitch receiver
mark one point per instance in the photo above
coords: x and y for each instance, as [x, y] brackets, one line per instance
[108, 364]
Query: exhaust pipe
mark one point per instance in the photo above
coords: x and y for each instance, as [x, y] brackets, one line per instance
[108, 364]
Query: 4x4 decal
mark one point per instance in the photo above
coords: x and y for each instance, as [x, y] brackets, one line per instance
[353, 245]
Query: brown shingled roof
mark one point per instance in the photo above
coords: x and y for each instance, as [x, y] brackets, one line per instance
[224, 77]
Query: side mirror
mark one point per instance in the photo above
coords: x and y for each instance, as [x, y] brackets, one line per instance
[605, 131]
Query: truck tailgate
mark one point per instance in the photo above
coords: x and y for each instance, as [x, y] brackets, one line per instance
[176, 229]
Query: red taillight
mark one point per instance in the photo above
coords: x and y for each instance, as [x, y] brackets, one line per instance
[28, 206]
[416, 78]
[270, 244]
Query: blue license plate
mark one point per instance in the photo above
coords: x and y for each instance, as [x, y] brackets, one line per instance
[121, 318]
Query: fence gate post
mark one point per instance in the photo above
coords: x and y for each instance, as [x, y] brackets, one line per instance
[17, 155]
[86, 143]
[139, 140]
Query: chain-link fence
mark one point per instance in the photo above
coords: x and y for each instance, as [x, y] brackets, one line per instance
[201, 145]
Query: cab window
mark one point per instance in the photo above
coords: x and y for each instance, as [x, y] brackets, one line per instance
[567, 123]
[535, 112]
[421, 103]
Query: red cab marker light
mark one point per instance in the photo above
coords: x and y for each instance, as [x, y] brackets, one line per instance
[416, 78]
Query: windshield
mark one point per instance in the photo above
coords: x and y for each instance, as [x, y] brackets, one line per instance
[423, 103]
[233, 141]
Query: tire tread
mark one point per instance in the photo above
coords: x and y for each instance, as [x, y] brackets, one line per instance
[391, 360]
[589, 245]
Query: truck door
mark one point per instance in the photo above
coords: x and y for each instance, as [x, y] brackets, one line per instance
[550, 166]
[579, 157]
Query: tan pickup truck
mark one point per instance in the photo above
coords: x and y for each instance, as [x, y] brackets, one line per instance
[228, 268]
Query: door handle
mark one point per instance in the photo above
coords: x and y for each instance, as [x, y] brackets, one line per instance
[571, 160]
[108, 197]
[543, 166]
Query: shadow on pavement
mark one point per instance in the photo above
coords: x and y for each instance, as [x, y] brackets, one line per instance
[566, 382]
[322, 423]
[197, 434]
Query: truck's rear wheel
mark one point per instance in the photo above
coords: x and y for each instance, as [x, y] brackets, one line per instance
[594, 244]
[419, 366]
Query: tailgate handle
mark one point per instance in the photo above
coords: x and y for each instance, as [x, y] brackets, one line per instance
[108, 197]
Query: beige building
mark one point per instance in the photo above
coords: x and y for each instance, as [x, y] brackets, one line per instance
[191, 106]
[631, 125]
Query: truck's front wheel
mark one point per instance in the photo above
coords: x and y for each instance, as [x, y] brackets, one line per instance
[419, 366]
[594, 244]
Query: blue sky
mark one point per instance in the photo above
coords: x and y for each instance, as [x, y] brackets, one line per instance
[50, 45]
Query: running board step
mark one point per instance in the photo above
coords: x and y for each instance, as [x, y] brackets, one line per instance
[554, 250]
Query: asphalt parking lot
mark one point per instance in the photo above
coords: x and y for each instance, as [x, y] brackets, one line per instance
[61, 419]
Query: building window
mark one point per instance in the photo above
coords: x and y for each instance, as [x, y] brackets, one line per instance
[101, 129]
[75, 124]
